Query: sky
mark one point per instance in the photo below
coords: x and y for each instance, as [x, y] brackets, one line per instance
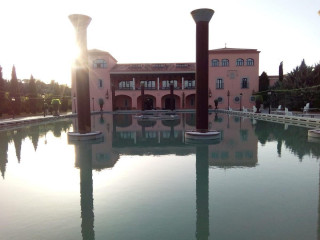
[37, 37]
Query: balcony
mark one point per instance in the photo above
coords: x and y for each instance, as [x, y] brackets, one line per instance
[125, 88]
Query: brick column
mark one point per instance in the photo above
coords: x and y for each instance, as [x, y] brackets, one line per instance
[202, 18]
[81, 73]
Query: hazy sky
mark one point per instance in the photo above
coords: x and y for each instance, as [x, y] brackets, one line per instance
[38, 38]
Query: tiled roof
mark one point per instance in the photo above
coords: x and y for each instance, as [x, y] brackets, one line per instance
[99, 52]
[154, 68]
[234, 50]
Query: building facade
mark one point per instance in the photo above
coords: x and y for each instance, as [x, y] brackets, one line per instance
[233, 78]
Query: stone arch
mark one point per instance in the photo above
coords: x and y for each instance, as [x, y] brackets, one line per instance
[191, 101]
[149, 102]
[123, 102]
[166, 101]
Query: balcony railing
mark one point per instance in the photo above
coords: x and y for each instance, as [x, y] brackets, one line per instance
[219, 85]
[153, 88]
[146, 88]
[125, 88]
[168, 88]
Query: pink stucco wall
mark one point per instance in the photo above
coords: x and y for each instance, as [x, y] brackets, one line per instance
[232, 76]
[95, 74]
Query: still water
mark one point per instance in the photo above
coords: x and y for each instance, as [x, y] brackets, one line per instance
[261, 181]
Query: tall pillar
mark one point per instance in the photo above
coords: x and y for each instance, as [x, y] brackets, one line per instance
[142, 96]
[202, 18]
[158, 83]
[172, 103]
[182, 82]
[81, 73]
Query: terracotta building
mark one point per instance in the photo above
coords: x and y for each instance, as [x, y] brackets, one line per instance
[233, 78]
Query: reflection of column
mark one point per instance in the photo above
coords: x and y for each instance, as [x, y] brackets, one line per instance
[83, 158]
[202, 192]
[143, 131]
[172, 132]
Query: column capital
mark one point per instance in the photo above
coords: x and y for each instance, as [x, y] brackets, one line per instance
[80, 21]
[202, 15]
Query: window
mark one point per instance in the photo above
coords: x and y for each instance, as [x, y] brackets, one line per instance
[100, 83]
[189, 84]
[244, 83]
[182, 65]
[220, 99]
[149, 134]
[244, 135]
[158, 65]
[250, 62]
[166, 84]
[99, 63]
[240, 62]
[127, 135]
[225, 62]
[237, 99]
[149, 84]
[252, 99]
[215, 63]
[219, 83]
[126, 85]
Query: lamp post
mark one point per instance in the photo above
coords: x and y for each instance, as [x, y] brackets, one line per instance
[74, 103]
[269, 94]
[93, 104]
[240, 101]
[13, 105]
[44, 110]
[228, 94]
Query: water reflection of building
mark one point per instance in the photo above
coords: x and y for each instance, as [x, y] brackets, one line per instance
[239, 145]
[125, 134]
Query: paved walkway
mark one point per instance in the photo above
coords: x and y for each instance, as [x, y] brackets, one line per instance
[17, 121]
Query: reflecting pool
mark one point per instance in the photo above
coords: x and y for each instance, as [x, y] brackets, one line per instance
[143, 181]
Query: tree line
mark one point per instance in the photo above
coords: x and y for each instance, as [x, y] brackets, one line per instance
[293, 90]
[31, 96]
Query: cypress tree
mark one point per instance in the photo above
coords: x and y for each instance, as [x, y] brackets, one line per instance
[281, 72]
[32, 92]
[15, 92]
[2, 93]
[263, 82]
